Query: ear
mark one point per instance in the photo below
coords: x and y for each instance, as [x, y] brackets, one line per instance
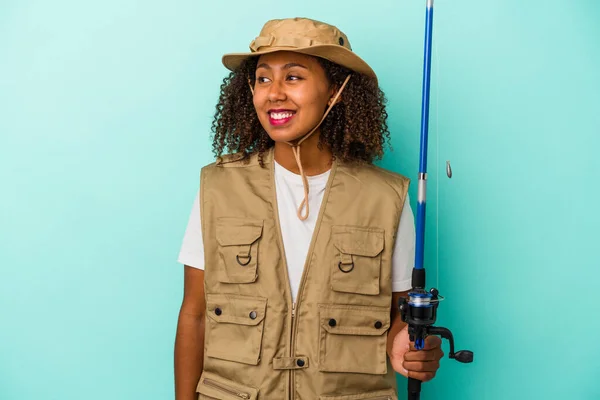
[339, 100]
[338, 92]
[334, 91]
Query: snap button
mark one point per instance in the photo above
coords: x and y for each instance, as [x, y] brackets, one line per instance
[378, 325]
[332, 322]
[253, 315]
[300, 363]
[218, 311]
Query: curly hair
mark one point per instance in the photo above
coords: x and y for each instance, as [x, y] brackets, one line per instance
[355, 130]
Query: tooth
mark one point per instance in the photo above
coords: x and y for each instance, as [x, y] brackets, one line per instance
[281, 115]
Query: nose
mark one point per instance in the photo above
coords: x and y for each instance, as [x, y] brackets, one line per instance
[276, 91]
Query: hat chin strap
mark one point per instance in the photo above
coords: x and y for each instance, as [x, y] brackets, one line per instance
[296, 151]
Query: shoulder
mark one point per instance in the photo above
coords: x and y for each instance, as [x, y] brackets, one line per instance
[370, 179]
[235, 160]
[374, 175]
[389, 174]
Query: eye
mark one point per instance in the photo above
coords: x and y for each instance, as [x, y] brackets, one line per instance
[261, 79]
[294, 77]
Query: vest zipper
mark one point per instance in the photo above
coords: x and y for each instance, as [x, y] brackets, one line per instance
[292, 349]
[306, 269]
[226, 389]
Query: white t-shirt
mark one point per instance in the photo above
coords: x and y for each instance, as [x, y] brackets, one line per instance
[297, 234]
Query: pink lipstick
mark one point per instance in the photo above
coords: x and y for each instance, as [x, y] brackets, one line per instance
[280, 117]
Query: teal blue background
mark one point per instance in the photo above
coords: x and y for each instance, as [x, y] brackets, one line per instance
[105, 109]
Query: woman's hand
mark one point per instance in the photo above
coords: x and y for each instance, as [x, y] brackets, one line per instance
[418, 364]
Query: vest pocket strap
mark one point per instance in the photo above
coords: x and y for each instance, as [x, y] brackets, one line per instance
[238, 240]
[356, 265]
[234, 327]
[283, 363]
[353, 338]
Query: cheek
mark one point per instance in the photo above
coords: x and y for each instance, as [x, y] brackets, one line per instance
[312, 101]
[316, 105]
[258, 103]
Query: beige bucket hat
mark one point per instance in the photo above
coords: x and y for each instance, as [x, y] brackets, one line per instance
[306, 36]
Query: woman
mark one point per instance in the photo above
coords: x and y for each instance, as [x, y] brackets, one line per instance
[298, 247]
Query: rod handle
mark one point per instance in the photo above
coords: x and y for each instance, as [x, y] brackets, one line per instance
[414, 389]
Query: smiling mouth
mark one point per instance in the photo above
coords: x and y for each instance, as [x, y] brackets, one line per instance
[280, 117]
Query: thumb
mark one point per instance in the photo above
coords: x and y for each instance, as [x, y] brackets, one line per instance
[401, 343]
[400, 346]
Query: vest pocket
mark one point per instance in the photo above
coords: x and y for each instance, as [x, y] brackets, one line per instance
[356, 267]
[212, 386]
[389, 394]
[353, 338]
[238, 241]
[234, 327]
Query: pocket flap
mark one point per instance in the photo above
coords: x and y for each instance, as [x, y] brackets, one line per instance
[362, 241]
[217, 387]
[235, 309]
[354, 320]
[236, 231]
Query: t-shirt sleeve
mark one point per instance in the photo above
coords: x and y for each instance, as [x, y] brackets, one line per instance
[404, 250]
[192, 248]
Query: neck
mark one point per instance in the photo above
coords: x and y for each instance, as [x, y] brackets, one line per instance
[315, 161]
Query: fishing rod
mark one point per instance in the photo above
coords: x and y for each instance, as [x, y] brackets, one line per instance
[420, 310]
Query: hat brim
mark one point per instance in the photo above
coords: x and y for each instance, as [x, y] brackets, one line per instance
[337, 54]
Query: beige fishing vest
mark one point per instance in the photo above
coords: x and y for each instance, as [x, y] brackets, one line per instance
[331, 344]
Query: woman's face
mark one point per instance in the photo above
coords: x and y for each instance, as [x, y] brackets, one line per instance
[291, 94]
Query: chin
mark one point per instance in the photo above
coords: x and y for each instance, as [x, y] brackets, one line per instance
[279, 136]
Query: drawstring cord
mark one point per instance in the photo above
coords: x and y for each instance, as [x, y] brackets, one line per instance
[296, 150]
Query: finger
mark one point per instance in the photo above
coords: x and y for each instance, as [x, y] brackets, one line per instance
[424, 355]
[431, 342]
[418, 366]
[421, 376]
[417, 355]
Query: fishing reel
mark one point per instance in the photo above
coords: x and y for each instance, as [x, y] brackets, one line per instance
[419, 312]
